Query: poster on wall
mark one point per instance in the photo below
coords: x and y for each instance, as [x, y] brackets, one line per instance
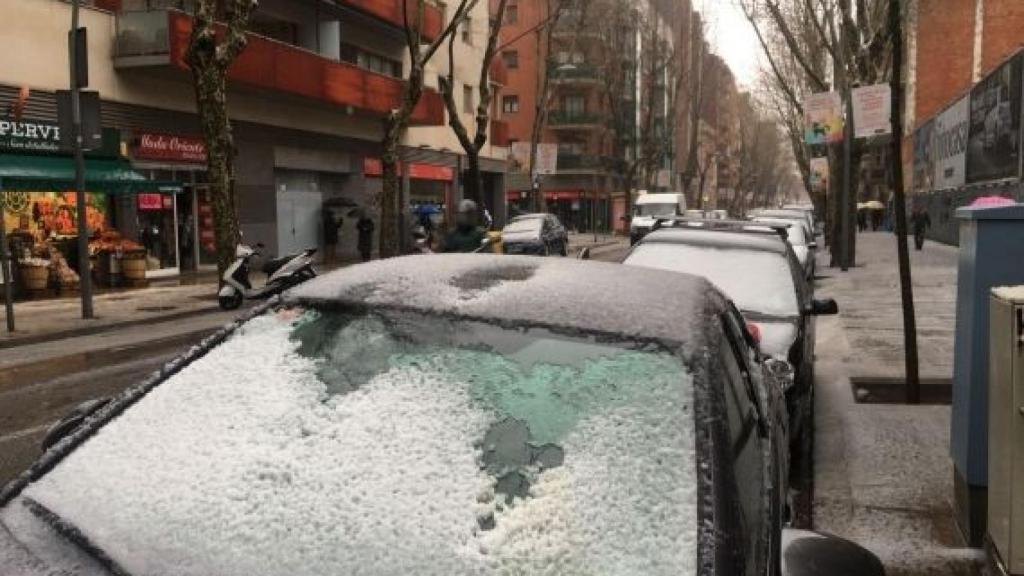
[924, 160]
[993, 147]
[823, 118]
[47, 214]
[949, 145]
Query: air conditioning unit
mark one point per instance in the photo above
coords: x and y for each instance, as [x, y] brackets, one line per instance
[1006, 430]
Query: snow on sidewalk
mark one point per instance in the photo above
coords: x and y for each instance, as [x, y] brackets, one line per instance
[883, 475]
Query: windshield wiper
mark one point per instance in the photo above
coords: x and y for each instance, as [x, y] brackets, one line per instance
[71, 533]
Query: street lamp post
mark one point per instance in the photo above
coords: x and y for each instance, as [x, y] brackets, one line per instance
[85, 278]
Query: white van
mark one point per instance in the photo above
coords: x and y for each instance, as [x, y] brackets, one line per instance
[649, 207]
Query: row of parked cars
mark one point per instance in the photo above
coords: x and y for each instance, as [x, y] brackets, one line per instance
[461, 414]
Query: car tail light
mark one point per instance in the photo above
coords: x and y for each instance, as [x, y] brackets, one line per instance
[755, 331]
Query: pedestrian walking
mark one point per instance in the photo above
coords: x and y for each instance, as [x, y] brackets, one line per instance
[920, 221]
[365, 227]
[332, 227]
[862, 220]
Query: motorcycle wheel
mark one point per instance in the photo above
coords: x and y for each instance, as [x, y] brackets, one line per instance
[232, 302]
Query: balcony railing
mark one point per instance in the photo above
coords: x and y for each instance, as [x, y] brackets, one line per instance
[561, 118]
[573, 72]
[160, 38]
[581, 162]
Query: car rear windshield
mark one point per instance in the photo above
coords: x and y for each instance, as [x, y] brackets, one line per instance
[525, 225]
[323, 442]
[757, 281]
[656, 209]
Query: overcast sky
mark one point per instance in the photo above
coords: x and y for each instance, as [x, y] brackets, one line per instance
[732, 38]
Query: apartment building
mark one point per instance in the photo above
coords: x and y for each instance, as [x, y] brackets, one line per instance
[306, 98]
[568, 74]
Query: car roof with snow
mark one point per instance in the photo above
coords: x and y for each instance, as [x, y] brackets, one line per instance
[558, 292]
[739, 238]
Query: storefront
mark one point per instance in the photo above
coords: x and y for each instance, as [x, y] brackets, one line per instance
[177, 229]
[430, 188]
[40, 212]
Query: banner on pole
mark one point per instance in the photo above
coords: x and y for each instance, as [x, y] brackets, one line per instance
[819, 175]
[823, 118]
[872, 111]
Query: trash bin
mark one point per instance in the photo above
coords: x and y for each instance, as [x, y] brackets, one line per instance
[1006, 431]
[991, 255]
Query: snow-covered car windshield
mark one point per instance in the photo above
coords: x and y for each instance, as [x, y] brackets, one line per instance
[757, 281]
[656, 209]
[382, 443]
[525, 225]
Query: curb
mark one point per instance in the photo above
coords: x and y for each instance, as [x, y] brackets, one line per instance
[27, 373]
[101, 328]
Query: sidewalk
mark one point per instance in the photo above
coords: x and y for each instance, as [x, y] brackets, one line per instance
[883, 475]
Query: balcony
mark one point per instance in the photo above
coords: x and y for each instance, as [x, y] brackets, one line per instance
[159, 39]
[562, 120]
[573, 74]
[499, 133]
[581, 163]
[390, 11]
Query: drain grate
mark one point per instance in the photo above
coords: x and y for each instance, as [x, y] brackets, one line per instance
[934, 391]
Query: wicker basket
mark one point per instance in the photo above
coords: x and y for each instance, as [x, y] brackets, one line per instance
[34, 277]
[133, 266]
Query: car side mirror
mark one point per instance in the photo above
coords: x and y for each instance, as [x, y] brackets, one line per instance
[584, 253]
[826, 307]
[812, 245]
[68, 424]
[806, 553]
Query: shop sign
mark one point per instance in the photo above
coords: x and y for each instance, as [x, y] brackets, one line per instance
[374, 167]
[819, 174]
[150, 202]
[949, 138]
[924, 158]
[29, 136]
[167, 147]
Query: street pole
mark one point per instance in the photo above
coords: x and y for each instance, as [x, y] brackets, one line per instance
[845, 228]
[899, 199]
[85, 280]
[593, 209]
[5, 265]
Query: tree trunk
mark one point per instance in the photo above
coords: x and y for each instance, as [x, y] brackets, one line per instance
[474, 180]
[211, 97]
[387, 202]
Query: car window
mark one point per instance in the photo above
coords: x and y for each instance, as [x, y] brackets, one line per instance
[757, 281]
[748, 451]
[322, 442]
[656, 209]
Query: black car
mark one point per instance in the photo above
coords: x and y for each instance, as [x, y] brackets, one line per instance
[535, 234]
[758, 270]
[460, 414]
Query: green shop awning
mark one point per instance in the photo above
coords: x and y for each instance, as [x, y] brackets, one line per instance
[39, 173]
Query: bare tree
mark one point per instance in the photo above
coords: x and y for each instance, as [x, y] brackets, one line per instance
[396, 122]
[762, 164]
[209, 58]
[473, 145]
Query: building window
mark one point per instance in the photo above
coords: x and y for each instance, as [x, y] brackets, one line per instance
[511, 14]
[510, 104]
[574, 105]
[467, 99]
[511, 58]
[369, 61]
[467, 31]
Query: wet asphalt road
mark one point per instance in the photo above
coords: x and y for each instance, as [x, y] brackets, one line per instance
[28, 410]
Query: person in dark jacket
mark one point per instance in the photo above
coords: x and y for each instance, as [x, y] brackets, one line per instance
[467, 235]
[332, 226]
[365, 228]
[920, 222]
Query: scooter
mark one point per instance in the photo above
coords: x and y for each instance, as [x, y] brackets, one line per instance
[282, 273]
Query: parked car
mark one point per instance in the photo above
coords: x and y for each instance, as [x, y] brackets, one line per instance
[649, 208]
[789, 214]
[459, 414]
[760, 273]
[804, 246]
[535, 234]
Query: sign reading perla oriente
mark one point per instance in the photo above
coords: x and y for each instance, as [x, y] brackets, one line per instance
[29, 136]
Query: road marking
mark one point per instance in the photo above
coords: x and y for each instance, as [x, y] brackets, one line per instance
[25, 433]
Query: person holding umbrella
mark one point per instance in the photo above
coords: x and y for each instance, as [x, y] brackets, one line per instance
[365, 227]
[332, 226]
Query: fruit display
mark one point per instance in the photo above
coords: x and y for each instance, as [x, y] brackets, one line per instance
[112, 241]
